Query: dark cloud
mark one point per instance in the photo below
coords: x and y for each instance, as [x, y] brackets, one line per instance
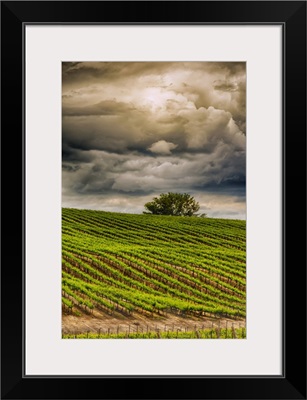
[132, 130]
[226, 86]
[70, 168]
[107, 107]
[197, 82]
[70, 154]
[86, 73]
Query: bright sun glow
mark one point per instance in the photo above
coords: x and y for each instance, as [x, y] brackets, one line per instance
[154, 97]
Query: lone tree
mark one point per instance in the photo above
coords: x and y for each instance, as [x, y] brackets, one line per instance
[176, 204]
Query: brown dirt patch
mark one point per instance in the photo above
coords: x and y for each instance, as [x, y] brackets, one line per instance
[108, 324]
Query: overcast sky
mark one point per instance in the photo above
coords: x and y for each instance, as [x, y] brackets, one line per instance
[131, 131]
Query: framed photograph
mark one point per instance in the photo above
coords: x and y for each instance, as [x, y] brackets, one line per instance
[161, 152]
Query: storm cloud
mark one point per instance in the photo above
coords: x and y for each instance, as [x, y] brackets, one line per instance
[131, 131]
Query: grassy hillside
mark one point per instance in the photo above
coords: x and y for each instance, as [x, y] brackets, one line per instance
[126, 265]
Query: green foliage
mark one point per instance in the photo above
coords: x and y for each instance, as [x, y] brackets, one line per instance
[237, 333]
[176, 204]
[153, 265]
[204, 215]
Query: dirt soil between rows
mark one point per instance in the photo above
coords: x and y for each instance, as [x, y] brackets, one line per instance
[106, 324]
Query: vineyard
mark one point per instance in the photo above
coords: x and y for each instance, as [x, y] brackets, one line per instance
[157, 334]
[145, 268]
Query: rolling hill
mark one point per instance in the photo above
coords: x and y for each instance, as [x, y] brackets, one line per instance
[129, 267]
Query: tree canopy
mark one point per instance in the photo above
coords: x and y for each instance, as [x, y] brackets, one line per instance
[177, 204]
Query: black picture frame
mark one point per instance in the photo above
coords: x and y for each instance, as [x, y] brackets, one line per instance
[292, 383]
